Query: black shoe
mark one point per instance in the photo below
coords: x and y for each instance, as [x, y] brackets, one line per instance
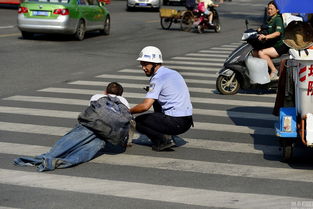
[165, 145]
[162, 147]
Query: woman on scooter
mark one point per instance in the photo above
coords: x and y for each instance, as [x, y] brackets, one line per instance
[206, 4]
[274, 37]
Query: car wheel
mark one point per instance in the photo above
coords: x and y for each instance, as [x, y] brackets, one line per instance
[80, 31]
[226, 88]
[106, 29]
[26, 35]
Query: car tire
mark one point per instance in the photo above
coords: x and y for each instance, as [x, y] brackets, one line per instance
[106, 28]
[27, 35]
[80, 31]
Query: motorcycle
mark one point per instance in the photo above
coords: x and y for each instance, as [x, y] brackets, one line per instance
[243, 71]
[202, 21]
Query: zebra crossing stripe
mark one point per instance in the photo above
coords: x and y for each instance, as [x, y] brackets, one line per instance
[163, 193]
[55, 130]
[223, 48]
[142, 78]
[38, 112]
[72, 115]
[206, 55]
[51, 100]
[133, 95]
[202, 75]
[29, 150]
[136, 86]
[33, 129]
[193, 68]
[192, 63]
[209, 51]
[199, 59]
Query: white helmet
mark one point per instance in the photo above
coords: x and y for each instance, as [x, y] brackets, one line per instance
[150, 54]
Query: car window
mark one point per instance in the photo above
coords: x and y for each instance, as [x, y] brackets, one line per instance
[92, 2]
[50, 1]
[82, 2]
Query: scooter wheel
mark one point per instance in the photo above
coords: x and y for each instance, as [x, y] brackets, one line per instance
[226, 88]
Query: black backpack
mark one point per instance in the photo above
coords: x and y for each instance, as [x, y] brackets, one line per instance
[109, 118]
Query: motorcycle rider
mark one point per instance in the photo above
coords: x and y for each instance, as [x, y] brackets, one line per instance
[273, 38]
[208, 3]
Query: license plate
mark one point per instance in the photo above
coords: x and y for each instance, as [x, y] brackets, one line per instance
[142, 4]
[40, 13]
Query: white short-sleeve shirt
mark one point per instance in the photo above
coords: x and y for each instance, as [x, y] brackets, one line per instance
[98, 96]
[170, 89]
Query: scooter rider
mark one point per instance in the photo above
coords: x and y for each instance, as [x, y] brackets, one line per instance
[170, 98]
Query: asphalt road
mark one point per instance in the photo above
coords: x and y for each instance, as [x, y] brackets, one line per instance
[231, 157]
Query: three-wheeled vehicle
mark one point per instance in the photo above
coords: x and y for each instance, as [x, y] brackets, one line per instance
[296, 123]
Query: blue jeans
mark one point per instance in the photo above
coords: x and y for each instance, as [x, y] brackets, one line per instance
[78, 146]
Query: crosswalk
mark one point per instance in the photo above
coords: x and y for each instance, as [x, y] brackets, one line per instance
[230, 159]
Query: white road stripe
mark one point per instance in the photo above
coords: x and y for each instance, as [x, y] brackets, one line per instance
[206, 55]
[192, 68]
[226, 169]
[202, 75]
[71, 114]
[51, 100]
[137, 86]
[2, 207]
[55, 130]
[185, 165]
[215, 51]
[33, 129]
[139, 96]
[163, 193]
[38, 112]
[32, 150]
[7, 27]
[193, 63]
[223, 48]
[199, 59]
[141, 78]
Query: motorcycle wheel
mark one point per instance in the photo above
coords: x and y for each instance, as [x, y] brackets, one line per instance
[186, 21]
[223, 88]
[200, 29]
[166, 22]
[217, 28]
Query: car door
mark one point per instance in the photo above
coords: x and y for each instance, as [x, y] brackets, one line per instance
[95, 14]
[83, 11]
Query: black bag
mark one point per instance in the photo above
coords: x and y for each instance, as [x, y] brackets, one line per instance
[109, 118]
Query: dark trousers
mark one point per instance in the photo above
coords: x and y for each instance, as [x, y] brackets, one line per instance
[155, 125]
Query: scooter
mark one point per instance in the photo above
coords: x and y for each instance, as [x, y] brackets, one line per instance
[243, 71]
[203, 22]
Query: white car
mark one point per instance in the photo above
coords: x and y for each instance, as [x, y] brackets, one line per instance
[153, 4]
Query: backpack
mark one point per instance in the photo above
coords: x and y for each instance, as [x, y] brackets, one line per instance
[108, 118]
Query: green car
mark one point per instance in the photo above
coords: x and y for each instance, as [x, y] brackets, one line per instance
[63, 17]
